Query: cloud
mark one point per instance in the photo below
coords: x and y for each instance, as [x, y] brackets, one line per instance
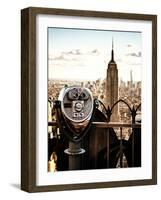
[129, 45]
[60, 57]
[94, 52]
[76, 52]
[73, 55]
[73, 52]
[66, 55]
[138, 54]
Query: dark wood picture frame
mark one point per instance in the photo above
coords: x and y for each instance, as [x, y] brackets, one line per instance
[28, 98]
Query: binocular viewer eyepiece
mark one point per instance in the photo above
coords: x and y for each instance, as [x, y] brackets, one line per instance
[78, 94]
[75, 108]
[76, 104]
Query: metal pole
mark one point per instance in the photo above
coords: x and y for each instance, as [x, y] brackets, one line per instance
[121, 148]
[74, 151]
[133, 140]
[108, 148]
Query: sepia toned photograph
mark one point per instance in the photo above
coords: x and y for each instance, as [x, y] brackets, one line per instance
[88, 98]
[94, 99]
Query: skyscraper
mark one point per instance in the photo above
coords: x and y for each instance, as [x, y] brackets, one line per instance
[112, 85]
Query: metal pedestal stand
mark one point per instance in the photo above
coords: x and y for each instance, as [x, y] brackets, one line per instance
[74, 151]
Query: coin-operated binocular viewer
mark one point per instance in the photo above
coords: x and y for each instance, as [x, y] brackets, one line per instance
[75, 110]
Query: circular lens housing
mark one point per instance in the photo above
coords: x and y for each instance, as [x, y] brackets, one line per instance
[73, 94]
[76, 104]
[84, 95]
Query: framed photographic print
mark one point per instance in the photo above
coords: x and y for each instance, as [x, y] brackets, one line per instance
[88, 99]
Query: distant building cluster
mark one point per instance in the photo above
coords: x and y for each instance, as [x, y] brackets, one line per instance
[131, 93]
[128, 91]
[54, 87]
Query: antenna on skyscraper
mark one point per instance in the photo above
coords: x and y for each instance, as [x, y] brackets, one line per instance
[112, 52]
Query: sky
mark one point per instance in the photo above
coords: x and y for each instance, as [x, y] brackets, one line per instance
[81, 54]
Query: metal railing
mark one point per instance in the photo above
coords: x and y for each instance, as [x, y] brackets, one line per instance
[119, 125]
[121, 138]
[105, 125]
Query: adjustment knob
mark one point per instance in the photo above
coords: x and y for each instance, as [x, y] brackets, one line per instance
[78, 106]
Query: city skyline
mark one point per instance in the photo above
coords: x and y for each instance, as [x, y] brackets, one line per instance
[84, 54]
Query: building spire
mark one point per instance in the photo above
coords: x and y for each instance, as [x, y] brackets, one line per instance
[112, 42]
[112, 52]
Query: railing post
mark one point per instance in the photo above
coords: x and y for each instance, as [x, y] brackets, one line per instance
[108, 113]
[121, 148]
[108, 147]
[133, 114]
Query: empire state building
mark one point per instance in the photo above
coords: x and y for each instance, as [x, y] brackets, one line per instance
[112, 86]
